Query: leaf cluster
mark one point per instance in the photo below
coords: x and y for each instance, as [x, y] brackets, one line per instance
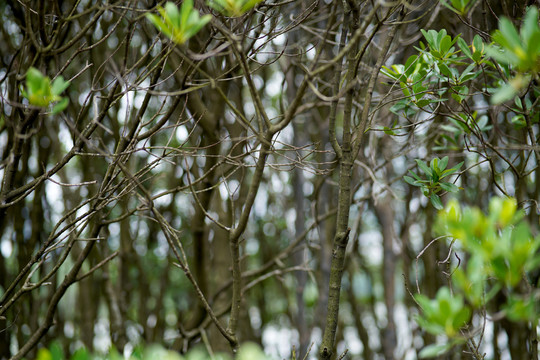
[41, 92]
[446, 314]
[432, 183]
[438, 63]
[459, 125]
[501, 250]
[519, 50]
[501, 240]
[179, 25]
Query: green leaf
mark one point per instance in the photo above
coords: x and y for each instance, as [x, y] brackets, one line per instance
[186, 11]
[530, 25]
[34, 80]
[81, 354]
[394, 73]
[249, 4]
[425, 303]
[422, 165]
[436, 201]
[159, 24]
[464, 48]
[445, 44]
[443, 163]
[509, 32]
[114, 354]
[38, 88]
[423, 103]
[388, 131]
[446, 71]
[434, 165]
[461, 317]
[410, 180]
[450, 171]
[500, 55]
[519, 121]
[44, 354]
[477, 45]
[196, 27]
[521, 309]
[174, 15]
[449, 187]
[414, 175]
[468, 74]
[59, 85]
[56, 351]
[179, 25]
[60, 106]
[411, 64]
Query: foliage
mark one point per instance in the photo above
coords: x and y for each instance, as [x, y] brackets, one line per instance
[460, 125]
[433, 184]
[500, 243]
[520, 51]
[446, 314]
[440, 62]
[501, 250]
[40, 92]
[422, 74]
[179, 25]
[239, 177]
[460, 7]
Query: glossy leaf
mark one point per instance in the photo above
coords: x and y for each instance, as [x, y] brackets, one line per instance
[436, 202]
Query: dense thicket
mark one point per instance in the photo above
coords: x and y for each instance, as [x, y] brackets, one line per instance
[230, 188]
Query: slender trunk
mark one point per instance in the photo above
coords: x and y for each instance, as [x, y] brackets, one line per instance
[338, 255]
